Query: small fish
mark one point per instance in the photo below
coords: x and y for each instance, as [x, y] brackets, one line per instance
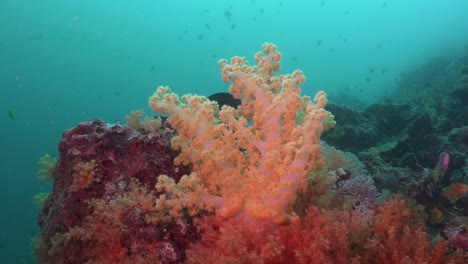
[11, 113]
[441, 167]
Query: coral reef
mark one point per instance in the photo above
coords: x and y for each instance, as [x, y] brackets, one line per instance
[254, 183]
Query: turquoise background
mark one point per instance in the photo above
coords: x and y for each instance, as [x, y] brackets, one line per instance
[67, 61]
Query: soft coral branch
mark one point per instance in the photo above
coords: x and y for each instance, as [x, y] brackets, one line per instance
[256, 157]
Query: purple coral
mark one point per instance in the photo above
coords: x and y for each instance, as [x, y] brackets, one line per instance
[361, 188]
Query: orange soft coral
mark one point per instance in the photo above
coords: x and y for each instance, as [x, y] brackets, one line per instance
[399, 237]
[255, 158]
[455, 191]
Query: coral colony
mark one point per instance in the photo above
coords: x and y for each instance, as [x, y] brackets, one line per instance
[205, 183]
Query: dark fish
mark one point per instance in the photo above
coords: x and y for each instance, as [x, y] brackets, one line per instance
[227, 14]
[233, 26]
[319, 42]
[225, 99]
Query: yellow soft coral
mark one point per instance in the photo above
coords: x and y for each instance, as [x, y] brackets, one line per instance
[84, 174]
[46, 168]
[138, 121]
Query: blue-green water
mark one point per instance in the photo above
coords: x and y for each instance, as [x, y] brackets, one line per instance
[64, 61]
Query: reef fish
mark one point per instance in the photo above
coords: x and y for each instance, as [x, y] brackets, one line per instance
[225, 99]
[11, 113]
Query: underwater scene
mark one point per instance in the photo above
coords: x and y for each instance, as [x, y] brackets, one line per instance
[250, 131]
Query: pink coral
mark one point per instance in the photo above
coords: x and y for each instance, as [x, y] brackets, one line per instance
[458, 237]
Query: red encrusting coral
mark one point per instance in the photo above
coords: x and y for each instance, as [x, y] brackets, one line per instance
[101, 222]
